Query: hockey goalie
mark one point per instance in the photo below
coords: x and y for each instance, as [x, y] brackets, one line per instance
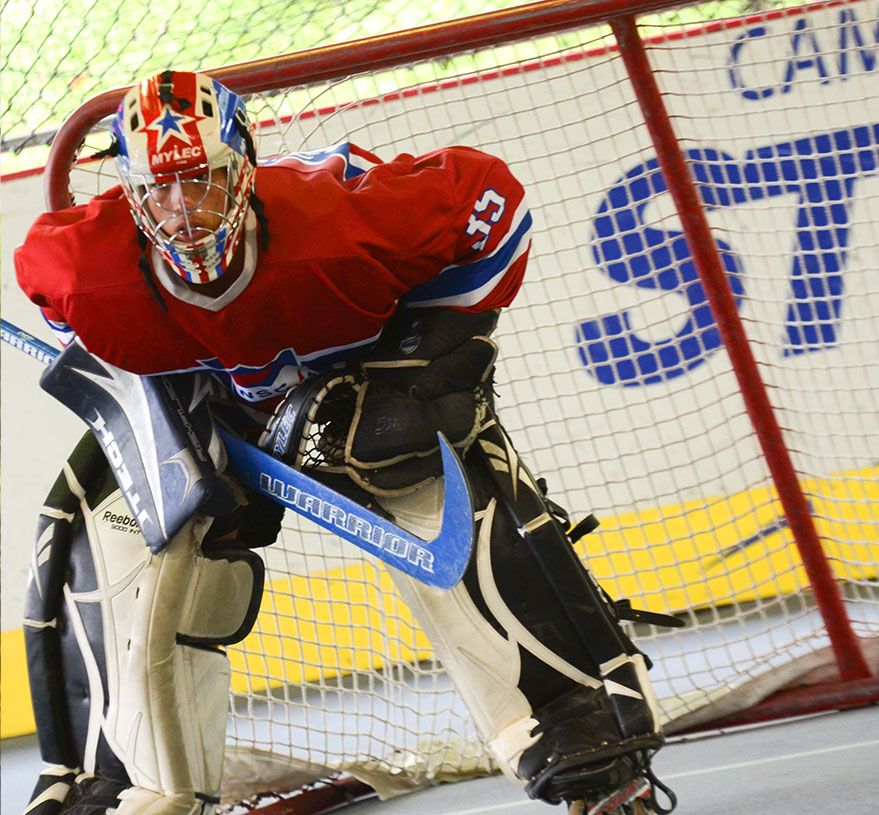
[338, 310]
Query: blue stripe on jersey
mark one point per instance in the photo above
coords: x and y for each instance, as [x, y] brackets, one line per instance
[60, 329]
[327, 358]
[319, 156]
[284, 372]
[316, 361]
[456, 280]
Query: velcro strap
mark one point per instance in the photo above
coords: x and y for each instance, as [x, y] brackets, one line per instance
[464, 368]
[224, 597]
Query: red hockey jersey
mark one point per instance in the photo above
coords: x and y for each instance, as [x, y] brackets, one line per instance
[350, 238]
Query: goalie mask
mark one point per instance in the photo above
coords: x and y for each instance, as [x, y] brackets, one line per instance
[186, 161]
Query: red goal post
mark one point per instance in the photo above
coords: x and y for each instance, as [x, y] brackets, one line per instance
[692, 357]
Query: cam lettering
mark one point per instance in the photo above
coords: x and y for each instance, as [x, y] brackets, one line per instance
[825, 55]
[822, 171]
[331, 515]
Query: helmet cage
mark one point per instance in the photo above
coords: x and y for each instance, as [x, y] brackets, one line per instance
[195, 217]
[191, 196]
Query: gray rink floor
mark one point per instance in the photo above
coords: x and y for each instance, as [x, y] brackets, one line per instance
[824, 764]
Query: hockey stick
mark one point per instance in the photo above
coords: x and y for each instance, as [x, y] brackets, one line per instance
[28, 343]
[440, 562]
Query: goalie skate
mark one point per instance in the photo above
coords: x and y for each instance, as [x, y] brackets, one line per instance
[633, 798]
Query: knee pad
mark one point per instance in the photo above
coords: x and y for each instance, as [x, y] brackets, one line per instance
[127, 672]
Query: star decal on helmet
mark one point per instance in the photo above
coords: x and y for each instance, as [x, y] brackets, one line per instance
[170, 125]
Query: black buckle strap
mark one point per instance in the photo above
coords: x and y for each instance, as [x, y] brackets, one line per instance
[626, 612]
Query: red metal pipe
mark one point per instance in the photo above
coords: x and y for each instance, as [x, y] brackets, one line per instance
[347, 59]
[68, 140]
[321, 797]
[799, 702]
[518, 23]
[442, 39]
[850, 658]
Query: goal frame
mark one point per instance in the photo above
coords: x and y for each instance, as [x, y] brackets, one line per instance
[856, 685]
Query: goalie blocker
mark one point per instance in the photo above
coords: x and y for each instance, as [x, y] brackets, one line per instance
[531, 642]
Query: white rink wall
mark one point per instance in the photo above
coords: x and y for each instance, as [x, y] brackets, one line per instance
[37, 431]
[759, 88]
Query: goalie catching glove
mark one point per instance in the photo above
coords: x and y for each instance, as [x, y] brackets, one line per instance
[430, 372]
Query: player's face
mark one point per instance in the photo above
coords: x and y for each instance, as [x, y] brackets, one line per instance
[190, 209]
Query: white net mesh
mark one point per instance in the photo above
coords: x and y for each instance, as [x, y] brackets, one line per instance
[612, 379]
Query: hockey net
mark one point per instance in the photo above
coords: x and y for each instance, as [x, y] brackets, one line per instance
[756, 520]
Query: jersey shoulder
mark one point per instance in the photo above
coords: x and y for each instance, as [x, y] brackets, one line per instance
[83, 247]
[343, 200]
[342, 162]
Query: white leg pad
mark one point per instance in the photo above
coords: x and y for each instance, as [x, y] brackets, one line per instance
[166, 713]
[139, 801]
[483, 665]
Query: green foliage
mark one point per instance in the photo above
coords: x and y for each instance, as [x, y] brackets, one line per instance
[58, 53]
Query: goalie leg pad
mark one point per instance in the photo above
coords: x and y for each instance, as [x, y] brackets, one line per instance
[565, 706]
[128, 681]
[483, 663]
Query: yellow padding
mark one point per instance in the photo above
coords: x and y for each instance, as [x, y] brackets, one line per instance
[16, 711]
[324, 625]
[735, 548]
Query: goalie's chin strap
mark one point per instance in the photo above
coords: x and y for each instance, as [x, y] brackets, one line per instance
[143, 263]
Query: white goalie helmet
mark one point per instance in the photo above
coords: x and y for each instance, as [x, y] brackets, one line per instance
[186, 161]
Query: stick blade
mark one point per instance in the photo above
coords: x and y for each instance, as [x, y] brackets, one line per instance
[440, 562]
